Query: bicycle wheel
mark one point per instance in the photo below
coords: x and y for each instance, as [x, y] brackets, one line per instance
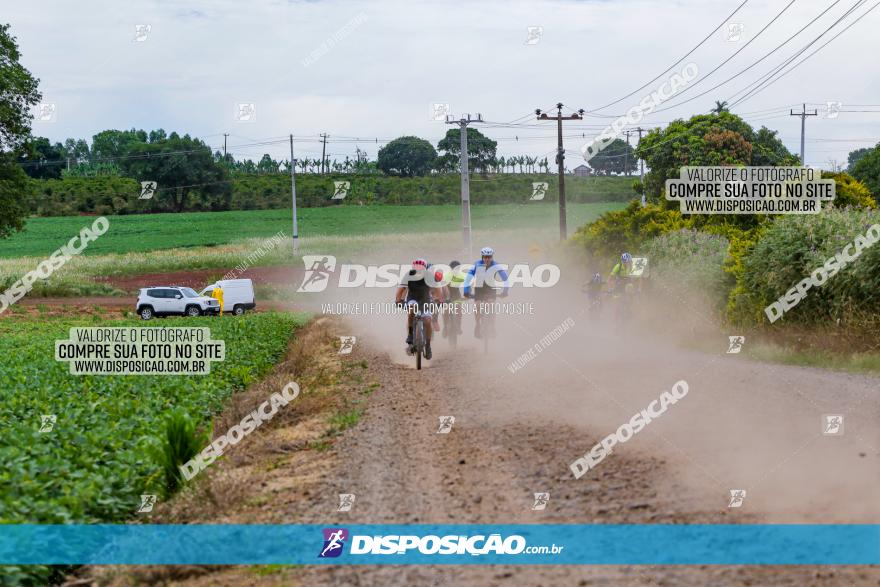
[419, 340]
[452, 329]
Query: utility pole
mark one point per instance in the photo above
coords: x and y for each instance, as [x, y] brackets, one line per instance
[465, 178]
[626, 152]
[640, 130]
[293, 196]
[560, 160]
[323, 152]
[803, 116]
[226, 134]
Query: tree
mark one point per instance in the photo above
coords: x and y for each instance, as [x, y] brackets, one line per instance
[481, 149]
[41, 159]
[617, 157]
[185, 171]
[18, 94]
[720, 107]
[707, 139]
[115, 144]
[867, 170]
[407, 157]
[854, 156]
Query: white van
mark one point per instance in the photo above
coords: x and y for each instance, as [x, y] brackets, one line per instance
[238, 295]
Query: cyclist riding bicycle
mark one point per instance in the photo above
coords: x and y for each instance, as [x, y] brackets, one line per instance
[416, 293]
[481, 281]
[453, 298]
[621, 272]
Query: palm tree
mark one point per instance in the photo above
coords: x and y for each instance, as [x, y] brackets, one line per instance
[521, 160]
[720, 107]
[501, 163]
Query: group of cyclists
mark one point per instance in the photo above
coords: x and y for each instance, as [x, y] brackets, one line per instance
[424, 288]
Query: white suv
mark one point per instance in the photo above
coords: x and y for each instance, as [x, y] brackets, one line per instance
[174, 300]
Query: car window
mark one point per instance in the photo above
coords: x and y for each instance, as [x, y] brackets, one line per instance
[189, 292]
[155, 293]
[170, 293]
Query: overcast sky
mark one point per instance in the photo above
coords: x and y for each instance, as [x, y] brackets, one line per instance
[373, 70]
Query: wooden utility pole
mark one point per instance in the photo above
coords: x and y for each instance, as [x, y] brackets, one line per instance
[226, 134]
[560, 160]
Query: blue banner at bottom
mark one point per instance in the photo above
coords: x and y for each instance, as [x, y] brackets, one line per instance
[557, 544]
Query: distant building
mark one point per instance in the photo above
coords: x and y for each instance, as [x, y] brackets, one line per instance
[583, 171]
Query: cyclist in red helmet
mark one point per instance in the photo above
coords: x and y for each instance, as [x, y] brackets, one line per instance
[415, 290]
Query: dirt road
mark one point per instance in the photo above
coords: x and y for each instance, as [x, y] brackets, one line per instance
[742, 426]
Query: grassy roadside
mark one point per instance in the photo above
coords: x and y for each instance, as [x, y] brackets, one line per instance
[140, 233]
[356, 229]
[858, 362]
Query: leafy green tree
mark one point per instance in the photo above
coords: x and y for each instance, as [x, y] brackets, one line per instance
[707, 139]
[617, 157]
[867, 170]
[854, 156]
[481, 150]
[185, 171]
[115, 144]
[18, 94]
[41, 159]
[407, 157]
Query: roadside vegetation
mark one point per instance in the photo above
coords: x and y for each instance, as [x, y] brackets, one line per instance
[115, 437]
[740, 264]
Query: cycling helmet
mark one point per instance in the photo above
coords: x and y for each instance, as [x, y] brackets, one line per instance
[420, 264]
[454, 264]
[487, 252]
[597, 278]
[626, 258]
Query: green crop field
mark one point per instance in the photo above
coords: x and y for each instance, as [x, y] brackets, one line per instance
[94, 464]
[150, 232]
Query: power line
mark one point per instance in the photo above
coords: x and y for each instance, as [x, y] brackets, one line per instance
[686, 55]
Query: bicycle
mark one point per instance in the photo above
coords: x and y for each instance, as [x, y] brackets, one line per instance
[487, 320]
[419, 339]
[452, 321]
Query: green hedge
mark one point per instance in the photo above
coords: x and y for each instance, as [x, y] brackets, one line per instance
[119, 195]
